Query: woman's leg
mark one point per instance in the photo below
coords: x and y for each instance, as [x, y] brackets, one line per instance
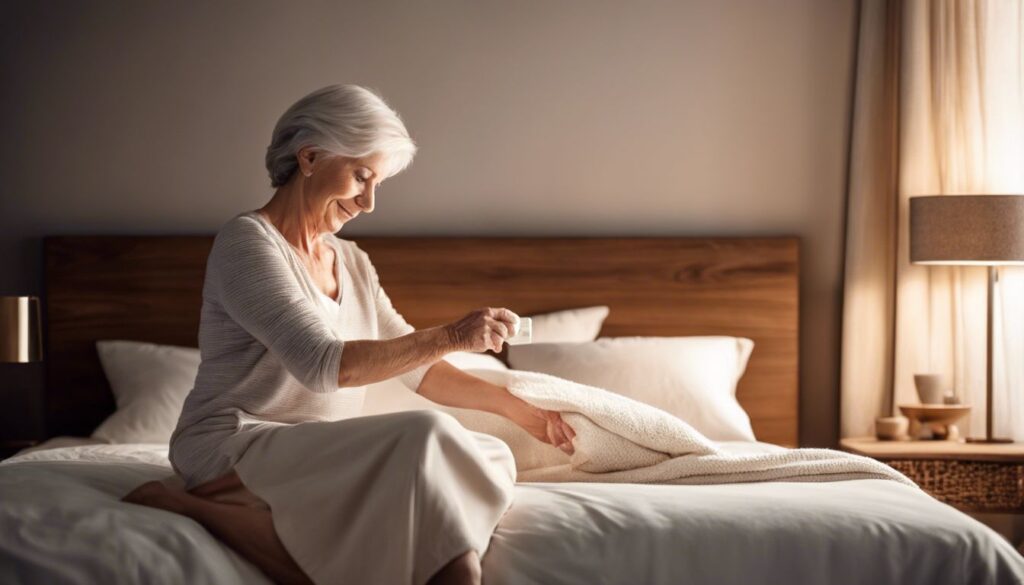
[247, 529]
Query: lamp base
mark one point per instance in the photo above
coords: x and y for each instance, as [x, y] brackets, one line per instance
[991, 440]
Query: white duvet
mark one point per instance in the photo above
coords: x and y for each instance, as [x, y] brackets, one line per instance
[620, 440]
[61, 522]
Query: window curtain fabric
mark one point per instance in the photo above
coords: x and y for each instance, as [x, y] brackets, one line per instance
[938, 110]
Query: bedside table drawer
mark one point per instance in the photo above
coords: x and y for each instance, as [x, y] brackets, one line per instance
[979, 486]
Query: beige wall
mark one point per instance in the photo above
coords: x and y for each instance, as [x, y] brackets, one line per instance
[533, 118]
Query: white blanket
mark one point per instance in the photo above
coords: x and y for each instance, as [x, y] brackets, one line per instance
[621, 440]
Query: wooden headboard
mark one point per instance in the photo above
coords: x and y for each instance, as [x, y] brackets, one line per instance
[148, 288]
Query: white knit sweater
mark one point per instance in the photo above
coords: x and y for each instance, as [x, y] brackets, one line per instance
[271, 343]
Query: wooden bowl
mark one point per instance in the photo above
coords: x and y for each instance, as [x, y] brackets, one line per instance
[937, 419]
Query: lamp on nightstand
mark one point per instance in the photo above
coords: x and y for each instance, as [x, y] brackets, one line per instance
[20, 338]
[20, 343]
[970, 230]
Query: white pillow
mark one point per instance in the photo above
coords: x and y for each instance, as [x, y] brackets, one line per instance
[571, 325]
[150, 383]
[693, 378]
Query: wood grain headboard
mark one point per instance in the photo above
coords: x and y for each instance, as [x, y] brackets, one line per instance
[148, 288]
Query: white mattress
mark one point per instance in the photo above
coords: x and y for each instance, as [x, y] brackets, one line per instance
[61, 522]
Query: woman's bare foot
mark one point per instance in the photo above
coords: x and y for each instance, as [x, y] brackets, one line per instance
[248, 530]
[157, 495]
[462, 570]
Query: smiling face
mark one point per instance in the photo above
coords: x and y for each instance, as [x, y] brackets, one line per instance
[339, 188]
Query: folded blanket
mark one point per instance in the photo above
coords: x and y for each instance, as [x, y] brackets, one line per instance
[621, 440]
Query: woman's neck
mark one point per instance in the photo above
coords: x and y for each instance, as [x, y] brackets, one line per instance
[290, 212]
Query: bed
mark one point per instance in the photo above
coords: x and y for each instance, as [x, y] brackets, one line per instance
[63, 523]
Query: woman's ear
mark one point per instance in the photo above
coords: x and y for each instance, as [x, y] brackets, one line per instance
[307, 157]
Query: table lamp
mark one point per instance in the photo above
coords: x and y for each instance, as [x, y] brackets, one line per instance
[970, 230]
[20, 338]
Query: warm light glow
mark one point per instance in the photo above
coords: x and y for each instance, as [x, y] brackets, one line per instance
[23, 340]
[19, 329]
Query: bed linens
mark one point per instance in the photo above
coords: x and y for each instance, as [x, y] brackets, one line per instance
[62, 522]
[865, 531]
[623, 440]
[838, 533]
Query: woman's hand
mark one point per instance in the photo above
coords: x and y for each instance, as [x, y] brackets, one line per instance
[546, 426]
[482, 330]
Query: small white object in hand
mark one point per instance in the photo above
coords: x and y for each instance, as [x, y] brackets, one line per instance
[522, 333]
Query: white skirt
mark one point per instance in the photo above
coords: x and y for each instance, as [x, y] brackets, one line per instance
[380, 499]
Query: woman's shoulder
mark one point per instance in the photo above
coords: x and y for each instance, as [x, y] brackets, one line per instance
[243, 236]
[244, 225]
[246, 230]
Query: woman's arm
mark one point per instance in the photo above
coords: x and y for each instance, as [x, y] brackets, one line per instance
[448, 385]
[445, 384]
[366, 361]
[478, 331]
[248, 274]
[373, 360]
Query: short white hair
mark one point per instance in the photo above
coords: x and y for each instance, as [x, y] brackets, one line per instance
[346, 120]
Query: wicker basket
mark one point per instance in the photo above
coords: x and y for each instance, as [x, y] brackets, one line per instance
[971, 485]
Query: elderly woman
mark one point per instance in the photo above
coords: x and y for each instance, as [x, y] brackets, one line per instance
[294, 325]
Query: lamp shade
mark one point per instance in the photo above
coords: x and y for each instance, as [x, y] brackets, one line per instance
[967, 229]
[20, 337]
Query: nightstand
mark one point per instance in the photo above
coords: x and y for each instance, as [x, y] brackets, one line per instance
[9, 447]
[973, 477]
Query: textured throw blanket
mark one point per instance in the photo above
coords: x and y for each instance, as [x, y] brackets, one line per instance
[621, 440]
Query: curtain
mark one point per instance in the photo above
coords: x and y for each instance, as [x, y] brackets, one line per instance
[938, 110]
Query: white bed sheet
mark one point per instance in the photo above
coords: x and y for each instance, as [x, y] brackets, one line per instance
[61, 522]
